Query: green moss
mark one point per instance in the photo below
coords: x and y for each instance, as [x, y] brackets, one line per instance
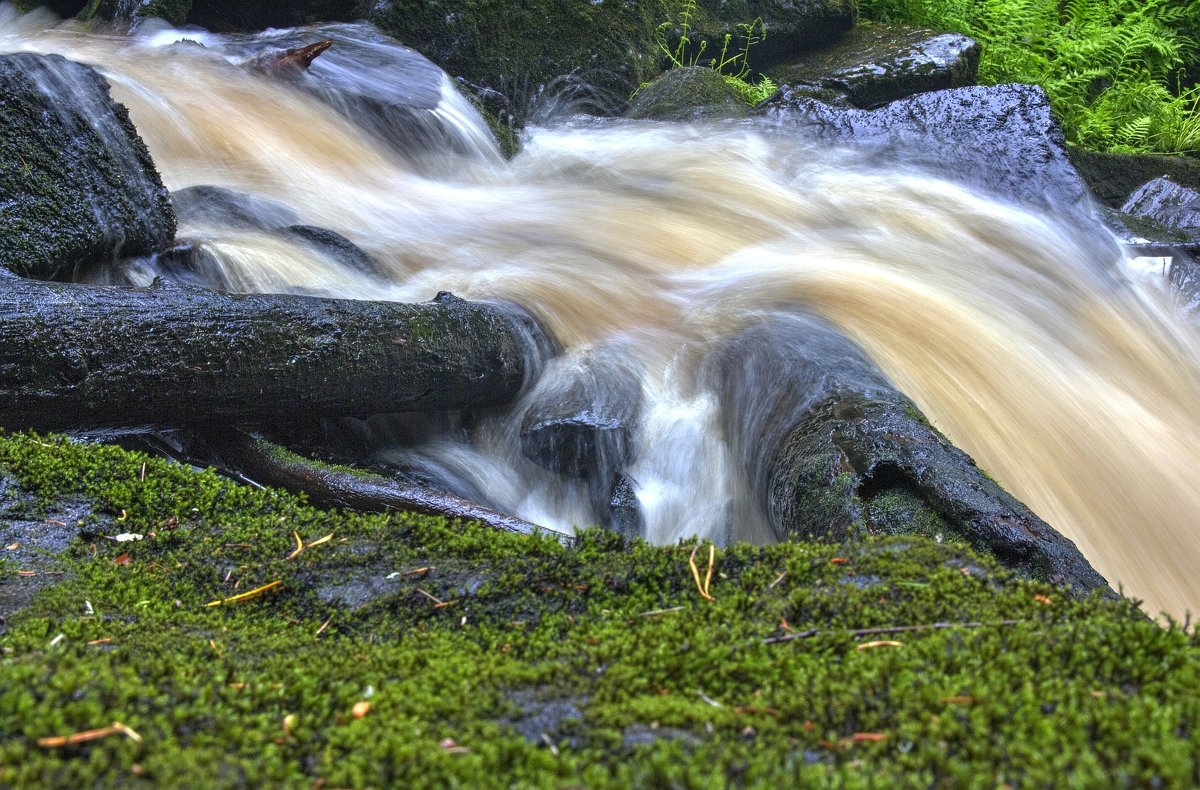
[173, 11]
[83, 187]
[520, 48]
[604, 650]
[688, 93]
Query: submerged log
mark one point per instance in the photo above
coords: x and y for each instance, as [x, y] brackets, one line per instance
[76, 357]
[293, 61]
[330, 486]
[834, 450]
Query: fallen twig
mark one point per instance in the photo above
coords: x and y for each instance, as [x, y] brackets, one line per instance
[703, 586]
[256, 592]
[656, 612]
[896, 629]
[117, 728]
[302, 546]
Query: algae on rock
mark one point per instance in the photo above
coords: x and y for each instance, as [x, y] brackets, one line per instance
[77, 185]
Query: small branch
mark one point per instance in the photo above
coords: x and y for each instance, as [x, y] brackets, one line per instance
[117, 728]
[327, 486]
[897, 629]
[255, 593]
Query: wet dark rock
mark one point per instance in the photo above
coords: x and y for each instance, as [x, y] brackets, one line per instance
[77, 186]
[582, 415]
[39, 537]
[381, 85]
[1114, 177]
[875, 64]
[542, 717]
[336, 247]
[624, 514]
[134, 11]
[213, 205]
[647, 735]
[192, 263]
[1002, 139]
[791, 28]
[517, 49]
[688, 94]
[833, 450]
[1183, 277]
[1168, 204]
[235, 16]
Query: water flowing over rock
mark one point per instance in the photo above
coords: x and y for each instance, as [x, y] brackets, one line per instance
[519, 49]
[375, 81]
[876, 64]
[1003, 139]
[77, 186]
[834, 450]
[134, 11]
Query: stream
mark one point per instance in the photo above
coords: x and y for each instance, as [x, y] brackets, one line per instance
[1023, 336]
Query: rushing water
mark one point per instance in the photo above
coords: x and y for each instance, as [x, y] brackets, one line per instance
[1019, 334]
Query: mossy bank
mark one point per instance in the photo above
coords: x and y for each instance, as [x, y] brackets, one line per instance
[404, 651]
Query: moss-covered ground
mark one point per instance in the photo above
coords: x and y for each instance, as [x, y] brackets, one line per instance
[407, 652]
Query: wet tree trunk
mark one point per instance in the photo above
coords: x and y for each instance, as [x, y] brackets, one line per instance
[80, 357]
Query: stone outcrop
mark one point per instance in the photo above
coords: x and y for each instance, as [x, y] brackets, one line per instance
[77, 186]
[875, 64]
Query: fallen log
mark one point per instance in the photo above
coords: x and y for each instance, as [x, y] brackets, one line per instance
[75, 357]
[833, 450]
[267, 463]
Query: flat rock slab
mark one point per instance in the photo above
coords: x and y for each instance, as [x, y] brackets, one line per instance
[875, 64]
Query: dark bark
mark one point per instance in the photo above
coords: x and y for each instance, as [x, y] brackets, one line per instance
[269, 464]
[834, 450]
[77, 357]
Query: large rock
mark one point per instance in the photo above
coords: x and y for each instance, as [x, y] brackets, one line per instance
[77, 185]
[833, 450]
[1003, 139]
[134, 11]
[790, 27]
[1167, 203]
[875, 64]
[1113, 177]
[376, 82]
[691, 93]
[520, 48]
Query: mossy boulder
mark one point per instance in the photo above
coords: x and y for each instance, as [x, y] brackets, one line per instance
[77, 185]
[875, 64]
[134, 11]
[1113, 177]
[790, 28]
[691, 93]
[243, 647]
[233, 16]
[519, 49]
